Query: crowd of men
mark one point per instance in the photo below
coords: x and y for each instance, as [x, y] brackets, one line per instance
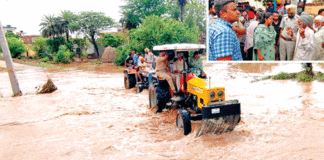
[239, 32]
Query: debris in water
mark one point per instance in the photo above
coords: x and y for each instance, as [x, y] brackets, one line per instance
[48, 87]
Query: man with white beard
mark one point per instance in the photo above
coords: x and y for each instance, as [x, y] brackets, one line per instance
[305, 39]
[319, 38]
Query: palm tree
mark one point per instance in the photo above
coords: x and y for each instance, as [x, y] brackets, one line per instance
[182, 4]
[66, 19]
[50, 26]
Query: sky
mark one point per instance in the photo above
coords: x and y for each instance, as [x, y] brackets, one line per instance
[26, 15]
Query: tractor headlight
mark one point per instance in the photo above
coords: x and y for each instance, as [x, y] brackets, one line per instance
[212, 95]
[220, 94]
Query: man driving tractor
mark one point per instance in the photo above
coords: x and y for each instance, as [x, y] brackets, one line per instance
[162, 71]
[196, 65]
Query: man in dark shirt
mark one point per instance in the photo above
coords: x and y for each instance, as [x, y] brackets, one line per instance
[270, 7]
[276, 25]
[129, 61]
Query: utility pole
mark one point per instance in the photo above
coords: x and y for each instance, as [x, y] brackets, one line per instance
[7, 56]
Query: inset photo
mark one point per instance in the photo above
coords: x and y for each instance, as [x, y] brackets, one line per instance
[266, 30]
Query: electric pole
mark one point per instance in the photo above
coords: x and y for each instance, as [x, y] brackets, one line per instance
[7, 56]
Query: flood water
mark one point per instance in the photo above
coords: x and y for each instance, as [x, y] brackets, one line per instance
[92, 116]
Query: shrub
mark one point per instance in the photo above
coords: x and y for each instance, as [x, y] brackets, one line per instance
[55, 43]
[63, 55]
[304, 77]
[45, 59]
[108, 40]
[122, 53]
[283, 75]
[16, 46]
[40, 47]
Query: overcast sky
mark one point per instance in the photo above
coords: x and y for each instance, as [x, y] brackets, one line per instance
[26, 15]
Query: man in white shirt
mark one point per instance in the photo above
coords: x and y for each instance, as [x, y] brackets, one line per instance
[319, 38]
[149, 57]
[305, 39]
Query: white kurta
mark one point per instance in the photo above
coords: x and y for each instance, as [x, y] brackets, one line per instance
[305, 47]
[150, 59]
[318, 49]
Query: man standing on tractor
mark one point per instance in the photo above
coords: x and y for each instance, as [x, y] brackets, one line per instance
[149, 58]
[196, 65]
[129, 63]
[178, 68]
[162, 70]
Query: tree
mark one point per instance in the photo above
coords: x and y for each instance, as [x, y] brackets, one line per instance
[136, 10]
[67, 18]
[50, 26]
[91, 23]
[182, 4]
[155, 31]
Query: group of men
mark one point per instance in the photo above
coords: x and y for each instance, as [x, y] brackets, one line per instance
[299, 37]
[134, 59]
[173, 73]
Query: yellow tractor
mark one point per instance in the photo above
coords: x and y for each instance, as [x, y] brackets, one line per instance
[196, 101]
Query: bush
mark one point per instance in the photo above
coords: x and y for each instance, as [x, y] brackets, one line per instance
[45, 59]
[55, 43]
[122, 53]
[64, 55]
[40, 47]
[16, 47]
[304, 77]
[283, 75]
[108, 40]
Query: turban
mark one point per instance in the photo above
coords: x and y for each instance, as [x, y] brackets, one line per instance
[320, 18]
[306, 18]
[251, 14]
[291, 7]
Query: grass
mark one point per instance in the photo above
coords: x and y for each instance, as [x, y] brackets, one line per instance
[300, 76]
[98, 63]
[39, 63]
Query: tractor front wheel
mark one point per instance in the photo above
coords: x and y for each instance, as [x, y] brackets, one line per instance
[126, 82]
[183, 121]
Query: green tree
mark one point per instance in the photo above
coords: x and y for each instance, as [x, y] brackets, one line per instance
[40, 46]
[16, 46]
[155, 31]
[67, 19]
[109, 40]
[134, 11]
[10, 34]
[50, 26]
[91, 23]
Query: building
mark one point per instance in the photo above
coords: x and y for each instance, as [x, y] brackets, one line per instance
[29, 39]
[9, 28]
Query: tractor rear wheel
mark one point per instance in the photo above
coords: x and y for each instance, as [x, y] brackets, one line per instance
[183, 121]
[152, 95]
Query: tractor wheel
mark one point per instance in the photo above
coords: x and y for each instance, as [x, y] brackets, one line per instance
[139, 88]
[126, 82]
[152, 95]
[183, 121]
[161, 98]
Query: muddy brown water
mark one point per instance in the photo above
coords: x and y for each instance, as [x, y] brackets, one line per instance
[91, 116]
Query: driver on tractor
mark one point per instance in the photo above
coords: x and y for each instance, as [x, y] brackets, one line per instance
[196, 65]
[162, 70]
[129, 63]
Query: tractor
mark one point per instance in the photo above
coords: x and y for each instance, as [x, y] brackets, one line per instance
[196, 101]
[132, 76]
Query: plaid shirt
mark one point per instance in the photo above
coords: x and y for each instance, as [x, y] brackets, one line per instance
[223, 41]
